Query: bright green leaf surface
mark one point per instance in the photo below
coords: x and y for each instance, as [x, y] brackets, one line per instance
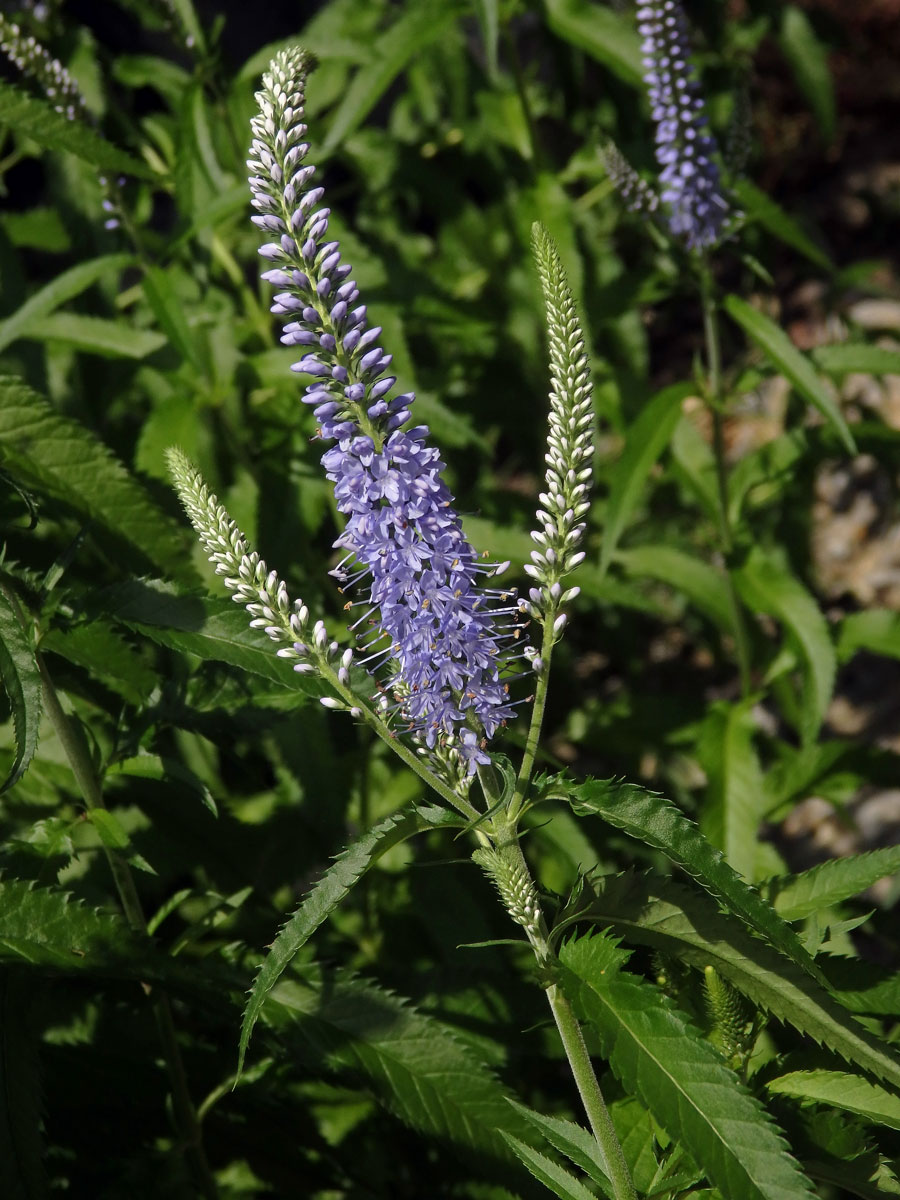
[849, 1092]
[655, 820]
[660, 1057]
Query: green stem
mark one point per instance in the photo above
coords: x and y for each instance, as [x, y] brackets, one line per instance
[537, 719]
[378, 727]
[582, 1068]
[591, 1096]
[78, 754]
[726, 536]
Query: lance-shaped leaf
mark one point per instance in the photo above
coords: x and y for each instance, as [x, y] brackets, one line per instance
[735, 799]
[849, 1092]
[656, 821]
[36, 119]
[416, 1065]
[557, 1179]
[798, 896]
[21, 681]
[579, 1146]
[687, 926]
[346, 871]
[49, 928]
[645, 441]
[606, 35]
[30, 318]
[768, 587]
[661, 1058]
[793, 364]
[200, 624]
[58, 456]
[862, 358]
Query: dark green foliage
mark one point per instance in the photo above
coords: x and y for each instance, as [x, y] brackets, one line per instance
[193, 848]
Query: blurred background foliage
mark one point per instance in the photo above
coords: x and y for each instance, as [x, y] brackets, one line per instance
[441, 129]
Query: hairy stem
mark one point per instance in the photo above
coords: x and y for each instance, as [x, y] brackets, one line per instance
[726, 536]
[537, 719]
[412, 760]
[507, 844]
[76, 751]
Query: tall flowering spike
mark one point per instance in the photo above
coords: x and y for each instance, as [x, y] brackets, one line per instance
[48, 72]
[697, 207]
[248, 579]
[569, 444]
[423, 609]
[638, 195]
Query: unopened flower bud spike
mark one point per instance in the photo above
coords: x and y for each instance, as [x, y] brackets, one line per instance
[564, 505]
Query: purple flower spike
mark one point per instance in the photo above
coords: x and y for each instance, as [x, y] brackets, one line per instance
[692, 191]
[424, 613]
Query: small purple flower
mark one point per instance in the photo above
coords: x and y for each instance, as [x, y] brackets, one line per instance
[425, 611]
[684, 149]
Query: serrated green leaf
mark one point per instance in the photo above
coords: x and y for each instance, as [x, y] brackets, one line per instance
[418, 27]
[876, 629]
[656, 821]
[798, 896]
[95, 335]
[415, 1064]
[64, 287]
[340, 878]
[736, 797]
[54, 454]
[863, 987]
[687, 926]
[554, 1177]
[22, 1173]
[861, 358]
[809, 62]
[768, 587]
[579, 1146]
[678, 1075]
[48, 928]
[602, 33]
[108, 657]
[851, 1093]
[795, 366]
[704, 586]
[33, 117]
[760, 207]
[21, 680]
[200, 624]
[645, 440]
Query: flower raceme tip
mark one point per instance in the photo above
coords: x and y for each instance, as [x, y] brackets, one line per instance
[685, 150]
[425, 610]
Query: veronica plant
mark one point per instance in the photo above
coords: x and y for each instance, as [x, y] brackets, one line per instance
[440, 643]
[132, 696]
[446, 640]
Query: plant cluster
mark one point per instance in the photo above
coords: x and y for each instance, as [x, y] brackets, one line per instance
[253, 844]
